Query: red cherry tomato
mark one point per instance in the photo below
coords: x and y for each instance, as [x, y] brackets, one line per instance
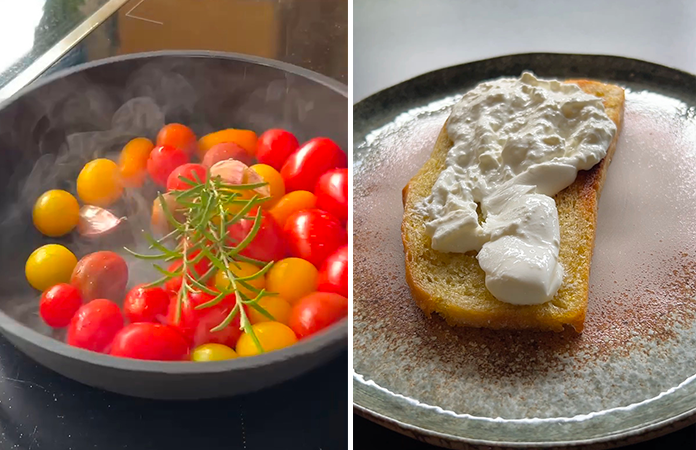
[316, 312]
[313, 234]
[145, 304]
[303, 168]
[332, 193]
[274, 147]
[59, 304]
[94, 325]
[101, 275]
[333, 276]
[150, 341]
[195, 324]
[162, 162]
[268, 243]
[179, 136]
[187, 171]
[225, 150]
[198, 270]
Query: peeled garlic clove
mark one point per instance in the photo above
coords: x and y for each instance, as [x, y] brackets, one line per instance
[236, 172]
[96, 221]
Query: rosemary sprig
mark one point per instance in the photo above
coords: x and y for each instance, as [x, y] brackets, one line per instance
[202, 233]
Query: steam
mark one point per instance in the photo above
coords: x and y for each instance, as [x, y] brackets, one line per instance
[140, 116]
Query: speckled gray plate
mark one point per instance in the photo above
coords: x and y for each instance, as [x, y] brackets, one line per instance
[630, 375]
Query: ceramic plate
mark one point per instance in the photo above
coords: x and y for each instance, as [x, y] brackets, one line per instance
[630, 374]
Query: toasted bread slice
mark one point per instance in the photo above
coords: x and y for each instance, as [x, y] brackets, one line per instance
[452, 284]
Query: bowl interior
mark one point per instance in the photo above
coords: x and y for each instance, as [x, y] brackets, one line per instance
[48, 133]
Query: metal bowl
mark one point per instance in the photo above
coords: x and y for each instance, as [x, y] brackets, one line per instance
[205, 90]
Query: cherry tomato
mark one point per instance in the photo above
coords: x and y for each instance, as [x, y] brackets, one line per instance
[101, 275]
[150, 341]
[313, 234]
[133, 161]
[271, 335]
[225, 150]
[303, 168]
[212, 352]
[99, 183]
[316, 312]
[158, 222]
[332, 193]
[292, 279]
[277, 307]
[146, 304]
[162, 162]
[240, 269]
[244, 138]
[94, 325]
[266, 246]
[275, 183]
[290, 203]
[195, 324]
[333, 276]
[274, 147]
[179, 136]
[59, 304]
[194, 172]
[197, 271]
[49, 265]
[56, 213]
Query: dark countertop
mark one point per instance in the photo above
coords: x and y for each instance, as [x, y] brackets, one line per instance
[40, 409]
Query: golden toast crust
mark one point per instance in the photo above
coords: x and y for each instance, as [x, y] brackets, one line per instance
[453, 284]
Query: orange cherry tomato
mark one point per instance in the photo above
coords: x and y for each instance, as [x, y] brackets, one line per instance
[292, 279]
[240, 269]
[244, 138]
[179, 136]
[275, 183]
[290, 203]
[133, 161]
[271, 335]
[277, 307]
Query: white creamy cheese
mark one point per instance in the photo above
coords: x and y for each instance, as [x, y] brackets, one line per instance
[517, 142]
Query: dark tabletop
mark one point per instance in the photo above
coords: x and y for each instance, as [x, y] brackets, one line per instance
[42, 410]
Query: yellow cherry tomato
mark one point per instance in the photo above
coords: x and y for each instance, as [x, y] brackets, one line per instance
[244, 138]
[271, 335]
[56, 213]
[240, 270]
[292, 279]
[277, 307]
[292, 202]
[275, 183]
[133, 161]
[49, 265]
[234, 208]
[99, 183]
[212, 352]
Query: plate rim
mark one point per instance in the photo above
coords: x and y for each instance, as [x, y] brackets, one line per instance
[629, 436]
